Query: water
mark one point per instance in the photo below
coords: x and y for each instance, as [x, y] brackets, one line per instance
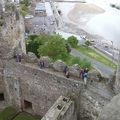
[105, 24]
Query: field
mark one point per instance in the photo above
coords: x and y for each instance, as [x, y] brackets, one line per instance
[93, 54]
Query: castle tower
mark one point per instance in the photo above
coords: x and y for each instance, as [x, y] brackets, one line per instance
[11, 40]
[117, 82]
[11, 31]
[2, 5]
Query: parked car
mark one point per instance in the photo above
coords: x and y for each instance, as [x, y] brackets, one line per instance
[29, 16]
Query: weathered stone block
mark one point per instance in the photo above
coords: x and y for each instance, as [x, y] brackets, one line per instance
[59, 65]
[74, 70]
[46, 60]
[31, 58]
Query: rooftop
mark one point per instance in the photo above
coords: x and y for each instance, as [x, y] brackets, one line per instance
[40, 7]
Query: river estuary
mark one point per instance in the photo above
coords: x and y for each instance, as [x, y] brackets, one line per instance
[95, 17]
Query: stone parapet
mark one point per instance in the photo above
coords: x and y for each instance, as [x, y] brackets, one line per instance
[63, 109]
[39, 87]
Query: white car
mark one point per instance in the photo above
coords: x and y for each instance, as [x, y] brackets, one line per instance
[29, 16]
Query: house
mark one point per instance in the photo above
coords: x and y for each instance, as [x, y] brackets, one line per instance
[40, 9]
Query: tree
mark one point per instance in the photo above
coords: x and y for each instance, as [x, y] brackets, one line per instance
[54, 48]
[72, 41]
[68, 47]
[76, 60]
[25, 2]
[23, 10]
[24, 7]
[85, 64]
[88, 43]
[34, 42]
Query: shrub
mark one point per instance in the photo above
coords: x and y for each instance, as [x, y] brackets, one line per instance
[72, 41]
[34, 42]
[25, 2]
[76, 60]
[55, 48]
[23, 10]
[88, 43]
[85, 64]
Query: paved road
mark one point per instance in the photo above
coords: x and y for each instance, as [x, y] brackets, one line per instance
[103, 69]
[109, 52]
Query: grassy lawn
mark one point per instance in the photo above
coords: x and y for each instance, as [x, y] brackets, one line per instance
[8, 113]
[26, 116]
[71, 60]
[93, 54]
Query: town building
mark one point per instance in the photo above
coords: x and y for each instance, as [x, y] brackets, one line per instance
[40, 10]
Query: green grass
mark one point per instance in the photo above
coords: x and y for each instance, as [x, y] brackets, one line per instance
[8, 113]
[26, 116]
[71, 60]
[93, 54]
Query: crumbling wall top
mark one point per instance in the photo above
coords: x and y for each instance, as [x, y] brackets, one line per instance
[59, 109]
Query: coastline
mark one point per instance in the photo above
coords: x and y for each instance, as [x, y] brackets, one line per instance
[78, 16]
[76, 20]
[83, 12]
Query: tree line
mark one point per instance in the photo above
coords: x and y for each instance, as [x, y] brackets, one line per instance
[56, 47]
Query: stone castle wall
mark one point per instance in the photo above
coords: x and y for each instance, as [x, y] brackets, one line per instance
[25, 88]
[11, 32]
[11, 39]
[3, 103]
[117, 81]
[39, 87]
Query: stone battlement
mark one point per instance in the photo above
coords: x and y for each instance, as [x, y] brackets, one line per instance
[63, 109]
[11, 32]
[38, 87]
